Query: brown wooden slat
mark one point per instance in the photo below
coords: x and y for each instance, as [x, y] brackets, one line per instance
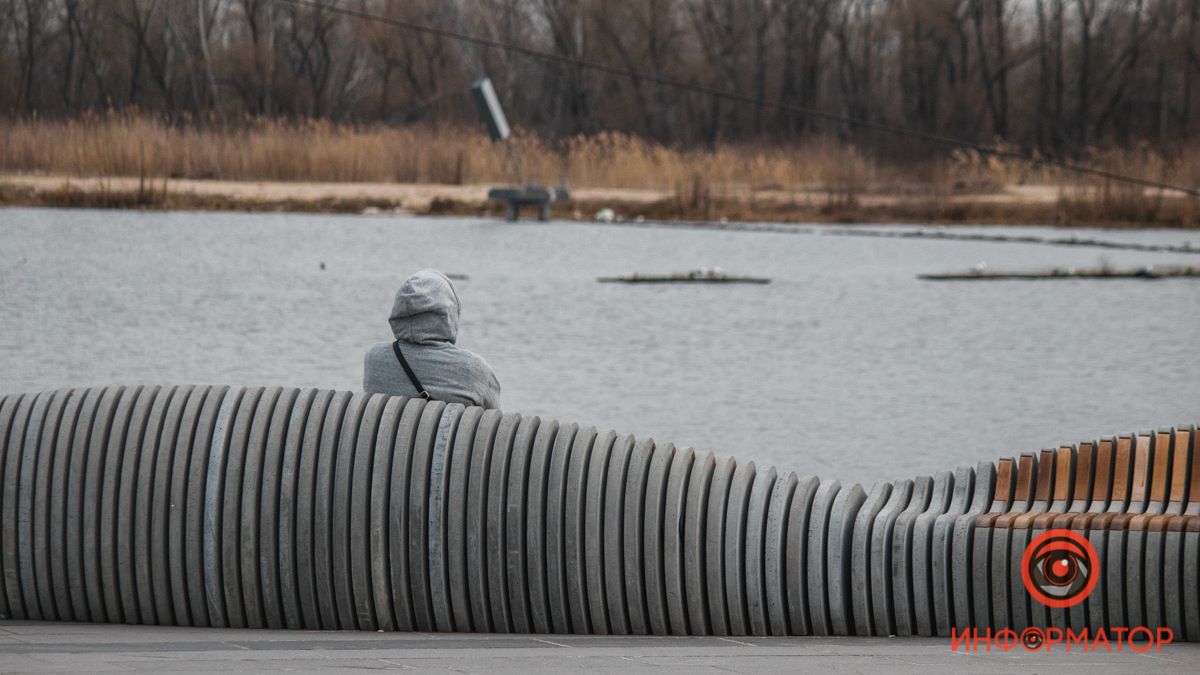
[1063, 476]
[1045, 480]
[1083, 473]
[1141, 469]
[1026, 468]
[1002, 493]
[1194, 487]
[1179, 467]
[1004, 470]
[1122, 467]
[1164, 459]
[1174, 519]
[1046, 467]
[1102, 485]
[1085, 485]
[1141, 472]
[1064, 481]
[1159, 482]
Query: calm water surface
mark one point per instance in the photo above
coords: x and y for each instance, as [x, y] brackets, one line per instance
[845, 366]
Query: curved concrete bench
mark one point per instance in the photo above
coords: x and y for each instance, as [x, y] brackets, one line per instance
[287, 508]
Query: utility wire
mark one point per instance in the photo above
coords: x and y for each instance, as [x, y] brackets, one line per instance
[894, 129]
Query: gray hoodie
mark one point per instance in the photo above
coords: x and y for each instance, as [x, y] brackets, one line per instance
[425, 321]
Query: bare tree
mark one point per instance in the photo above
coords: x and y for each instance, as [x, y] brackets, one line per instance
[1057, 75]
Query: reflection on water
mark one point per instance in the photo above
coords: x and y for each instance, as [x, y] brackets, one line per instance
[846, 365]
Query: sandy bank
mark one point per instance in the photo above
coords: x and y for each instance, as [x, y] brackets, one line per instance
[1012, 204]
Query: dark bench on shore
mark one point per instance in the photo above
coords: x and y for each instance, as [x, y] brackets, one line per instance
[531, 195]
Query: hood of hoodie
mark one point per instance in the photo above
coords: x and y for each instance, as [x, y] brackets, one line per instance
[426, 309]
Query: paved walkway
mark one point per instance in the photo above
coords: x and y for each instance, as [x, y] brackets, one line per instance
[66, 647]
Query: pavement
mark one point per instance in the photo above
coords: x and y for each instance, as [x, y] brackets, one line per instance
[38, 647]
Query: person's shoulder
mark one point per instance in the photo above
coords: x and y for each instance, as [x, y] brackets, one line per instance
[378, 351]
[478, 363]
[480, 370]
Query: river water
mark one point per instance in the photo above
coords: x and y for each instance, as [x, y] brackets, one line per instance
[845, 366]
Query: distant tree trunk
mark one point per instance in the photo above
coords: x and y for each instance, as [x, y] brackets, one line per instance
[1002, 65]
[1188, 66]
[1087, 13]
[763, 15]
[205, 19]
[987, 77]
[71, 7]
[28, 42]
[1119, 108]
[1044, 86]
[1059, 76]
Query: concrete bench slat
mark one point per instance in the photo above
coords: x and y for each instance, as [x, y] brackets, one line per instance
[456, 528]
[754, 584]
[734, 549]
[633, 548]
[883, 604]
[13, 415]
[252, 549]
[478, 505]
[59, 413]
[497, 547]
[954, 598]
[673, 544]
[843, 513]
[799, 518]
[186, 525]
[775, 555]
[360, 603]
[88, 424]
[695, 559]
[593, 537]
[817, 549]
[654, 539]
[565, 528]
[8, 409]
[380, 503]
[306, 496]
[439, 534]
[538, 508]
[614, 534]
[860, 557]
[714, 545]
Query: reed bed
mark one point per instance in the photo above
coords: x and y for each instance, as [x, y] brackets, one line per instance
[815, 178]
[131, 144]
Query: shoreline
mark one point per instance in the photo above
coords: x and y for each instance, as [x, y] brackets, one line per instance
[1014, 205]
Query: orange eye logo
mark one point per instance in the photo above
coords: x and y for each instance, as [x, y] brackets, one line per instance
[1060, 568]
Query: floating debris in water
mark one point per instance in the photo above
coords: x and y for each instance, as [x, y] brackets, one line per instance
[981, 273]
[1185, 247]
[703, 275]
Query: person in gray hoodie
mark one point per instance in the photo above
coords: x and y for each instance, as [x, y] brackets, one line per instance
[424, 321]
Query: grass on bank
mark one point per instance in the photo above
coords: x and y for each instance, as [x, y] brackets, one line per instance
[817, 179]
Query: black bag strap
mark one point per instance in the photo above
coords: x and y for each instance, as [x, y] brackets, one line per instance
[409, 371]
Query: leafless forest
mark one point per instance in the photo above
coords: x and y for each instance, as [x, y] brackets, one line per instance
[1056, 76]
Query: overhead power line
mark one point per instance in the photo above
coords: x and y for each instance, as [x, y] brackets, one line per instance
[884, 127]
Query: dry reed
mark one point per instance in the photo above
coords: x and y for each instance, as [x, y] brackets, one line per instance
[131, 144]
[815, 178]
